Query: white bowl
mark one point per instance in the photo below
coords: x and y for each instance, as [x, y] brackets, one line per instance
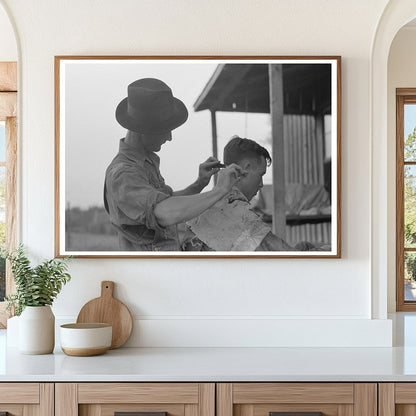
[83, 340]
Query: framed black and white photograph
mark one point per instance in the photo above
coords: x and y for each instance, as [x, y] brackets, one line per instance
[198, 156]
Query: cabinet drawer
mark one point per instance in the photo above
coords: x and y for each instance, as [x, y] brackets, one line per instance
[106, 399]
[270, 399]
[19, 393]
[27, 399]
[138, 393]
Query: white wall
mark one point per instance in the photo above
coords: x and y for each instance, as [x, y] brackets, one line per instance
[278, 298]
[401, 74]
[8, 46]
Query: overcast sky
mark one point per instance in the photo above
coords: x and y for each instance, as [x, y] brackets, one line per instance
[93, 90]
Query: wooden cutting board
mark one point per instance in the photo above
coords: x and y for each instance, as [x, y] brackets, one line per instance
[111, 311]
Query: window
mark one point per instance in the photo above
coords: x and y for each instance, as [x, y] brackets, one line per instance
[8, 165]
[406, 199]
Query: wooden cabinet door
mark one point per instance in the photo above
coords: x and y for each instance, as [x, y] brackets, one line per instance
[27, 399]
[397, 399]
[141, 399]
[297, 399]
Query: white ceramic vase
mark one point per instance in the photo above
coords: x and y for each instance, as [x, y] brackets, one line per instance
[37, 330]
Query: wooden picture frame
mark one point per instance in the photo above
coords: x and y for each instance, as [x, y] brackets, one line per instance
[300, 126]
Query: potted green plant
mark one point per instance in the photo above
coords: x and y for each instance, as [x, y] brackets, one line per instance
[36, 289]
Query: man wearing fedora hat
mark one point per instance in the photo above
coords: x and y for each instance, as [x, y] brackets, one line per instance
[141, 206]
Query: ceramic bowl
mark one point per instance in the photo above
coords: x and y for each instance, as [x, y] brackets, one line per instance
[83, 340]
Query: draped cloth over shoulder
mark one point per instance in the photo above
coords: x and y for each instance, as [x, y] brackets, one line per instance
[230, 225]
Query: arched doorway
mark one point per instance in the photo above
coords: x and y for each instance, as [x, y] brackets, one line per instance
[401, 96]
[396, 14]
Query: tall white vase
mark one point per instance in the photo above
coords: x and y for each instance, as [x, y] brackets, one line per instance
[37, 330]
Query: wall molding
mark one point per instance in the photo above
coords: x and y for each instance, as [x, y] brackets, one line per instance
[255, 332]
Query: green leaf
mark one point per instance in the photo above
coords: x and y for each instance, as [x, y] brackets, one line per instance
[35, 286]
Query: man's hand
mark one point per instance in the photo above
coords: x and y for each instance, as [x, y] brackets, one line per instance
[208, 168]
[229, 176]
[185, 205]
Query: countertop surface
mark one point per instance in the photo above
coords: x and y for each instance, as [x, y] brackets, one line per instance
[396, 363]
[214, 364]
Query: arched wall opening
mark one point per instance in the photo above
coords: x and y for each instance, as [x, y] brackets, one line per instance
[397, 14]
[401, 73]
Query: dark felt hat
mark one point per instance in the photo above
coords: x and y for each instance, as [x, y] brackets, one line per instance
[150, 107]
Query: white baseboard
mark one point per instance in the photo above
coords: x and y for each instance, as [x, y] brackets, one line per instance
[256, 332]
[261, 333]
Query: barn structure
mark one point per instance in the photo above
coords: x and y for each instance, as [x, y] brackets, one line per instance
[299, 100]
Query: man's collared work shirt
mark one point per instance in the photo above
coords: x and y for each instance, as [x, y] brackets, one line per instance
[133, 187]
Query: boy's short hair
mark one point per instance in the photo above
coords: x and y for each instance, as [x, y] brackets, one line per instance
[238, 149]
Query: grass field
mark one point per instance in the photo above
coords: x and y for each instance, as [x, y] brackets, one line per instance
[91, 242]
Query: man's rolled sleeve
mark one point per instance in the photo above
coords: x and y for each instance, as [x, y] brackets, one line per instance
[136, 198]
[153, 198]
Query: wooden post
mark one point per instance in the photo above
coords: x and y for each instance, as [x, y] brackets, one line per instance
[320, 140]
[214, 134]
[214, 138]
[279, 181]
